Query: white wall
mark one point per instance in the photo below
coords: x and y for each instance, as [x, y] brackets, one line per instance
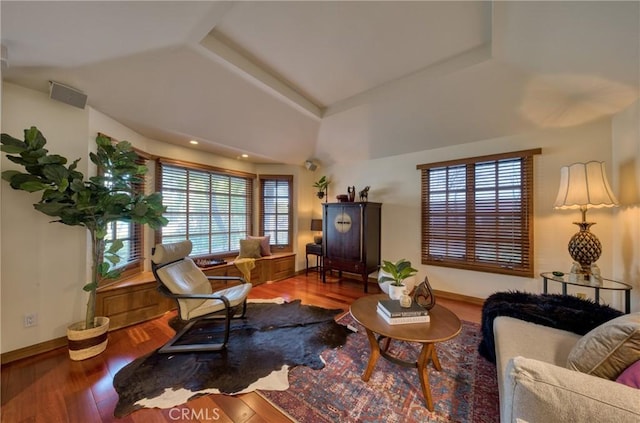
[43, 269]
[395, 182]
[626, 184]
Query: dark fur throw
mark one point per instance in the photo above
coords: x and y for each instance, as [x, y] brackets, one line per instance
[564, 312]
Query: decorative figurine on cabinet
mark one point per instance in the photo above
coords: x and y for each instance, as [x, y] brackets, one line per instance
[352, 193]
[364, 194]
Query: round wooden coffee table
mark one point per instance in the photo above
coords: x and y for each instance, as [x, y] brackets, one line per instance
[443, 326]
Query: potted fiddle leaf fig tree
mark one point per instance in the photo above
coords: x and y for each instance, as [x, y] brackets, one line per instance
[396, 274]
[93, 203]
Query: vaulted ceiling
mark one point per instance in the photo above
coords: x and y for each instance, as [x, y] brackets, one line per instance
[334, 81]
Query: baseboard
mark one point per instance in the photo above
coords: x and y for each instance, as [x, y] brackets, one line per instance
[458, 297]
[32, 350]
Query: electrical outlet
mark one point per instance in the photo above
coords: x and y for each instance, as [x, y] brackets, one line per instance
[30, 320]
[581, 295]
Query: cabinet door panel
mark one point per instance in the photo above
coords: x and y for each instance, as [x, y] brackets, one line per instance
[343, 232]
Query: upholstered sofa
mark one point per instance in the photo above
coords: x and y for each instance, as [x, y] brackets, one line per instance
[536, 385]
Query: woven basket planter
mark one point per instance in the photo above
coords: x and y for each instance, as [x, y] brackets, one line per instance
[86, 343]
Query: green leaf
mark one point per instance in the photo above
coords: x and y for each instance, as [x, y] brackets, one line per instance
[90, 286]
[33, 186]
[115, 246]
[103, 268]
[101, 233]
[7, 175]
[53, 159]
[13, 149]
[113, 274]
[34, 138]
[112, 258]
[50, 209]
[77, 185]
[7, 139]
[55, 173]
[140, 209]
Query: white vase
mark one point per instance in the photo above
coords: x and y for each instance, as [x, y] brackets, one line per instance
[395, 292]
[409, 282]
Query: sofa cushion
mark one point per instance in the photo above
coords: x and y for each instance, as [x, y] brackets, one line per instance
[609, 349]
[542, 392]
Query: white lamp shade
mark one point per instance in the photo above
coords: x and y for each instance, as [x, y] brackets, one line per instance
[584, 184]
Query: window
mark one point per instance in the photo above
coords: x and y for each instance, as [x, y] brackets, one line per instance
[131, 257]
[276, 213]
[477, 213]
[211, 207]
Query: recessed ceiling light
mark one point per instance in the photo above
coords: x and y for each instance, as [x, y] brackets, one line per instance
[194, 142]
[244, 156]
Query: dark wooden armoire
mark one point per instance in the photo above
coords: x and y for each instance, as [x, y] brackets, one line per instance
[351, 238]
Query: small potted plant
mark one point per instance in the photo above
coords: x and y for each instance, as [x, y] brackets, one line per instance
[396, 274]
[94, 203]
[321, 185]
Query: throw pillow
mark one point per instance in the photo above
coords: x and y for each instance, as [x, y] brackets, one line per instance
[609, 349]
[249, 248]
[631, 376]
[265, 244]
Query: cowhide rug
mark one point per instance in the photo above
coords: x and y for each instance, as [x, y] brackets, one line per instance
[270, 340]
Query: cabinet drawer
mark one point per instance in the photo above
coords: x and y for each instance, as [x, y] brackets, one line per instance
[345, 265]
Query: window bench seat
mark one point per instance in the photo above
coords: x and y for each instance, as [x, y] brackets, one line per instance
[136, 299]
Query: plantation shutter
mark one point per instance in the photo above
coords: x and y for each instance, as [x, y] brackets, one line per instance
[477, 213]
[276, 212]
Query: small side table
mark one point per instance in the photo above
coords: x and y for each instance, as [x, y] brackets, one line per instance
[443, 326]
[597, 284]
[314, 250]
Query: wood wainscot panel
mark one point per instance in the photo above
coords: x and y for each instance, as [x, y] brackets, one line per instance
[281, 267]
[132, 302]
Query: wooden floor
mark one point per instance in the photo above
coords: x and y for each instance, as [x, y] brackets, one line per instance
[52, 388]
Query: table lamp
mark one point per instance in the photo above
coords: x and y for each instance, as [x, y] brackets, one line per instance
[583, 186]
[316, 226]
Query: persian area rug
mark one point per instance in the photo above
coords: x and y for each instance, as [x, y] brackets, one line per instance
[466, 390]
[262, 347]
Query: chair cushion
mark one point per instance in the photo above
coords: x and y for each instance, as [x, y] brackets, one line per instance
[235, 294]
[184, 277]
[249, 248]
[609, 349]
[166, 253]
[265, 244]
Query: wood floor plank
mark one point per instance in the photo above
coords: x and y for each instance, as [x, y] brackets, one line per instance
[52, 388]
[263, 409]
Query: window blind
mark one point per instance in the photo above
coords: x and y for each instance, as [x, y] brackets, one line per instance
[209, 207]
[477, 213]
[276, 211]
[130, 233]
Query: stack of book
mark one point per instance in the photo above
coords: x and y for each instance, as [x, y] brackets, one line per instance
[394, 314]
